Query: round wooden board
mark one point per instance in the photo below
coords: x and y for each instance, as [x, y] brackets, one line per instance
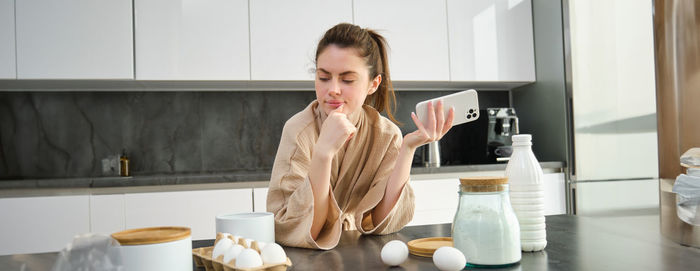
[425, 247]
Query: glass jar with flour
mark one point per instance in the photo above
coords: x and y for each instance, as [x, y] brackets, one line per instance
[485, 227]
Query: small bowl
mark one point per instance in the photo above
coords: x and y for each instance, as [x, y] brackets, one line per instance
[259, 226]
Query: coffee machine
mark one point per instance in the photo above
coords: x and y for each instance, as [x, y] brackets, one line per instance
[503, 123]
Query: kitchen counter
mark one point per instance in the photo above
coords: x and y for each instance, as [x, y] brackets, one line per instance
[230, 177]
[574, 243]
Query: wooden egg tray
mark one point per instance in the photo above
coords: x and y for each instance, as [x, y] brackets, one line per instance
[202, 257]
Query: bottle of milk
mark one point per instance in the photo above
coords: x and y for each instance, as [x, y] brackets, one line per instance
[527, 193]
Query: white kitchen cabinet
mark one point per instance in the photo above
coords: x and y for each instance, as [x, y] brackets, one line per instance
[74, 39]
[191, 40]
[194, 209]
[7, 40]
[491, 40]
[107, 213]
[284, 35]
[260, 199]
[41, 224]
[554, 194]
[416, 32]
[437, 199]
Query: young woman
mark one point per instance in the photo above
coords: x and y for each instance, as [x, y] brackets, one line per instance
[341, 165]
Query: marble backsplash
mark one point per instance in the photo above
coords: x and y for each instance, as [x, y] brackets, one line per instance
[67, 134]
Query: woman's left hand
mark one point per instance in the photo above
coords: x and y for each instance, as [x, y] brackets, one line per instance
[437, 126]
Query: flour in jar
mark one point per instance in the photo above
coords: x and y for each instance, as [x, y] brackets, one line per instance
[486, 236]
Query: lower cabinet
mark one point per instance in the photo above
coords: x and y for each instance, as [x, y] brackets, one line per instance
[41, 224]
[437, 199]
[194, 209]
[106, 213]
[47, 224]
[260, 199]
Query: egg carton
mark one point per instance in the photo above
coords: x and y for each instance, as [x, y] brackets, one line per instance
[202, 257]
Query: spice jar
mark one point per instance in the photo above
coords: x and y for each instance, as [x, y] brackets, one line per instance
[485, 228]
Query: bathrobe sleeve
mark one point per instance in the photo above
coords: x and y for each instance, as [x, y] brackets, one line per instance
[290, 197]
[402, 212]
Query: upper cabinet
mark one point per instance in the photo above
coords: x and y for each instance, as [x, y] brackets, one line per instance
[467, 42]
[416, 32]
[191, 40]
[7, 39]
[491, 40]
[74, 39]
[284, 35]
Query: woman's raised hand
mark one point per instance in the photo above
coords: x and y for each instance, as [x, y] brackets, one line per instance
[437, 126]
[336, 130]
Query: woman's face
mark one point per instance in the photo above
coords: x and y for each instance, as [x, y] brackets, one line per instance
[342, 78]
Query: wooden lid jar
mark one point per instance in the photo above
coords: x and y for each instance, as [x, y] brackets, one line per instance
[156, 248]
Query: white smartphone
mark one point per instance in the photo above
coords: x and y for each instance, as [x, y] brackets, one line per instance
[465, 103]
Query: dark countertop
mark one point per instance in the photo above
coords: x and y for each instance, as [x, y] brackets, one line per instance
[574, 243]
[227, 177]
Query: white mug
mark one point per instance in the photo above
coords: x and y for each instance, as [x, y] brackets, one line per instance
[259, 226]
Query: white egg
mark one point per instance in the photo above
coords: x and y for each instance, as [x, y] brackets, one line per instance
[394, 253]
[261, 245]
[273, 254]
[449, 259]
[232, 252]
[222, 246]
[249, 258]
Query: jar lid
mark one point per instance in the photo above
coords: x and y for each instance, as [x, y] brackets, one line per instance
[154, 235]
[483, 183]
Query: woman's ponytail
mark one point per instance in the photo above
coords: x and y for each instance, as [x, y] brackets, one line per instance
[384, 98]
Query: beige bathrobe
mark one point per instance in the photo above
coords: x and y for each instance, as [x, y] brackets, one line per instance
[359, 174]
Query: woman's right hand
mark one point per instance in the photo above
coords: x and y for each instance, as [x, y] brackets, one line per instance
[336, 130]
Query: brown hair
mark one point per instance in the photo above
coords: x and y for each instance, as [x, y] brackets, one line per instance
[372, 47]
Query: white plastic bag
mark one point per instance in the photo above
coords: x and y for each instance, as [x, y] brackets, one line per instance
[691, 158]
[90, 252]
[687, 189]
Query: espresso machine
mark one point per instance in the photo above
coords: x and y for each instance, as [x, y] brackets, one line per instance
[503, 123]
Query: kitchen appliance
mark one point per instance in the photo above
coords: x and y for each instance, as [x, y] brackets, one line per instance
[611, 94]
[157, 248]
[503, 123]
[259, 226]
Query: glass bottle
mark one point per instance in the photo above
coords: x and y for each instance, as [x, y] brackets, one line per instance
[485, 228]
[124, 165]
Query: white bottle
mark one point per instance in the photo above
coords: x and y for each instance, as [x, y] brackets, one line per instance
[527, 193]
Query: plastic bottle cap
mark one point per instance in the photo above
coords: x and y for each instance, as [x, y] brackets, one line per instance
[522, 138]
